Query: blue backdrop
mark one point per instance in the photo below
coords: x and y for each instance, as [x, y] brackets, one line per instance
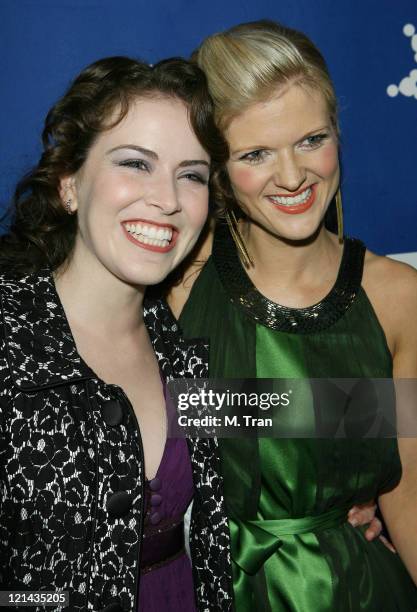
[370, 46]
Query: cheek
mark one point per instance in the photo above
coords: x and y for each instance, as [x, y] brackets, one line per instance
[119, 190]
[328, 164]
[106, 195]
[197, 209]
[244, 180]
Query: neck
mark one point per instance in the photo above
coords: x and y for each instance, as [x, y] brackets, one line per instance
[290, 261]
[96, 300]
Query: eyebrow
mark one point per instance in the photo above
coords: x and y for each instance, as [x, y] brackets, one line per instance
[153, 155]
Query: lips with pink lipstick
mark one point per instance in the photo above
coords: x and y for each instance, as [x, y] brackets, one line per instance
[150, 235]
[296, 203]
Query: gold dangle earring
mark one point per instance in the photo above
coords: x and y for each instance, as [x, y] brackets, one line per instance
[339, 212]
[235, 232]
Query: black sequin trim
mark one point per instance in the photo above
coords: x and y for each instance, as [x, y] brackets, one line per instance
[322, 315]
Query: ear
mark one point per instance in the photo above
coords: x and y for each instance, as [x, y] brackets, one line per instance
[68, 194]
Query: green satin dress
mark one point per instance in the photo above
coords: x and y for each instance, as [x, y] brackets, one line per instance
[287, 499]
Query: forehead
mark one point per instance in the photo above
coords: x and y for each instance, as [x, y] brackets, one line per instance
[157, 123]
[285, 117]
[148, 113]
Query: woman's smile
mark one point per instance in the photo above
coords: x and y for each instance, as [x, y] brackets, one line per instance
[297, 203]
[150, 235]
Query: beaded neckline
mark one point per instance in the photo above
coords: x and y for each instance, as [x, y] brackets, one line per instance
[317, 317]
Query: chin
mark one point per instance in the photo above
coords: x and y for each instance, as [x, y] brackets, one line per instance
[295, 234]
[299, 230]
[147, 280]
[142, 277]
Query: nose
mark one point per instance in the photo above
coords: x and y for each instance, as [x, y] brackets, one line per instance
[290, 172]
[163, 194]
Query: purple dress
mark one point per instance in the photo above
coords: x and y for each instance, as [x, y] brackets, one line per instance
[169, 587]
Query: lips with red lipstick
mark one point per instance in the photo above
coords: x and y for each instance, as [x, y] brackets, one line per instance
[152, 236]
[296, 203]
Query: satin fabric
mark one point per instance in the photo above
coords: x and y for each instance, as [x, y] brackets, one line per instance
[330, 567]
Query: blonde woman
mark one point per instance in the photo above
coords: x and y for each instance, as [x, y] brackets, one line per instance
[280, 296]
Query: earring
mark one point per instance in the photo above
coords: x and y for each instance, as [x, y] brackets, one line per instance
[339, 212]
[67, 206]
[238, 239]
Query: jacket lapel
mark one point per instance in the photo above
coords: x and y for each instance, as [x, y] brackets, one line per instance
[42, 351]
[177, 357]
[40, 347]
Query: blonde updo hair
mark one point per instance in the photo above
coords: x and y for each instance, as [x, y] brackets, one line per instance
[247, 64]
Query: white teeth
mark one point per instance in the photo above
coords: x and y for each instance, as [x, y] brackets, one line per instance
[293, 200]
[150, 234]
[162, 239]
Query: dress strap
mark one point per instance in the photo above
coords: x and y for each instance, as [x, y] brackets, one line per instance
[243, 293]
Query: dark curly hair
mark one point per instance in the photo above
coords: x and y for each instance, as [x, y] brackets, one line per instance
[41, 232]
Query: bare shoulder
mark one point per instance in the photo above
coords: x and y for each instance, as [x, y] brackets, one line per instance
[179, 293]
[390, 280]
[391, 287]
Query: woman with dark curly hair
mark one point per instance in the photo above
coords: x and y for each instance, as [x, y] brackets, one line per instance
[92, 494]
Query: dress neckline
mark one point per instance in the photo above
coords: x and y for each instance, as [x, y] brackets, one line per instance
[242, 292]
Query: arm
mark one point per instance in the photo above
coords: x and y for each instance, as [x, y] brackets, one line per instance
[399, 505]
[5, 406]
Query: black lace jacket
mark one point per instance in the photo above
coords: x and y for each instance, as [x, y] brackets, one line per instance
[71, 476]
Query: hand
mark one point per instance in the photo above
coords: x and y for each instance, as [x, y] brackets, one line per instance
[362, 514]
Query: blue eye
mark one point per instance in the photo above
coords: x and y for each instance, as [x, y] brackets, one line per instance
[254, 156]
[313, 142]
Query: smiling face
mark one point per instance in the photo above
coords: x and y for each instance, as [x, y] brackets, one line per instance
[142, 195]
[283, 164]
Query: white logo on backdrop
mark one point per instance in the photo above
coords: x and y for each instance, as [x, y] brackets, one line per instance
[408, 85]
